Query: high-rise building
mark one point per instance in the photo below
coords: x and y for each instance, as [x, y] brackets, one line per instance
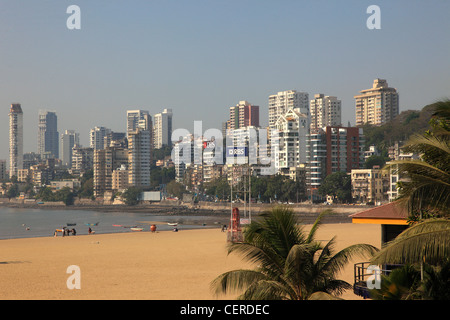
[48, 136]
[139, 119]
[105, 162]
[377, 105]
[68, 140]
[281, 102]
[243, 115]
[182, 156]
[139, 160]
[82, 158]
[330, 150]
[15, 139]
[292, 134]
[97, 137]
[325, 111]
[143, 120]
[162, 130]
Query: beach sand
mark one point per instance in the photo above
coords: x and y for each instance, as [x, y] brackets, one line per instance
[141, 265]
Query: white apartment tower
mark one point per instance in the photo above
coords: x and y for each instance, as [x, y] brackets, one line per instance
[139, 158]
[283, 101]
[377, 105]
[97, 137]
[162, 130]
[15, 139]
[325, 111]
[68, 140]
[292, 135]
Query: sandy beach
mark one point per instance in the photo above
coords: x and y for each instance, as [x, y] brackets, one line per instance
[142, 265]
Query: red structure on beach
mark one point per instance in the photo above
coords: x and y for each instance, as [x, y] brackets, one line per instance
[235, 232]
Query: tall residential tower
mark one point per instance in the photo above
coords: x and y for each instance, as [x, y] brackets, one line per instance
[376, 105]
[162, 130]
[325, 111]
[282, 102]
[48, 136]
[243, 115]
[15, 139]
[68, 140]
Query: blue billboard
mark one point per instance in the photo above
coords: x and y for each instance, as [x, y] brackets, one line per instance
[237, 152]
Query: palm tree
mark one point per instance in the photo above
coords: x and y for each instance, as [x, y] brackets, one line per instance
[426, 194]
[428, 186]
[290, 264]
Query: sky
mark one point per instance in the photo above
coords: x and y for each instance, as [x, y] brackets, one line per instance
[200, 57]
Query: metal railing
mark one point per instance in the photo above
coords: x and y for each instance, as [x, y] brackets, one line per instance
[362, 274]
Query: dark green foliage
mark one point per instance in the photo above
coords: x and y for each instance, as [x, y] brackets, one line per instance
[338, 185]
[131, 196]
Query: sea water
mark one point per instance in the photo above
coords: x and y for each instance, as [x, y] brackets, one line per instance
[27, 222]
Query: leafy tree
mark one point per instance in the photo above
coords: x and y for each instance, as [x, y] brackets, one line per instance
[399, 129]
[218, 188]
[338, 185]
[289, 263]
[131, 196]
[375, 161]
[46, 194]
[65, 195]
[13, 191]
[160, 154]
[161, 176]
[87, 188]
[176, 189]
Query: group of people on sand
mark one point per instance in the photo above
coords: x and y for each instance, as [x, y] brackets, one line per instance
[65, 231]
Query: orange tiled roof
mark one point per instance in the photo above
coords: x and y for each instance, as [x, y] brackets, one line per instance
[391, 210]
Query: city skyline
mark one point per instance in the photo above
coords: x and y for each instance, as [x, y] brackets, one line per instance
[198, 59]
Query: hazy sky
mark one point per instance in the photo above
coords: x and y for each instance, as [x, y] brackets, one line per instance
[201, 57]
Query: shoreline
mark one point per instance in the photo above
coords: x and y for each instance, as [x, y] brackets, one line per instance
[308, 213]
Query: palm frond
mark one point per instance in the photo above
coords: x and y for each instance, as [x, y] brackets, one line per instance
[427, 241]
[422, 143]
[267, 290]
[234, 281]
[331, 265]
[261, 255]
[320, 295]
[317, 224]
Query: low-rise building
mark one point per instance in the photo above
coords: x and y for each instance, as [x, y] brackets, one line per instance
[370, 185]
[69, 183]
